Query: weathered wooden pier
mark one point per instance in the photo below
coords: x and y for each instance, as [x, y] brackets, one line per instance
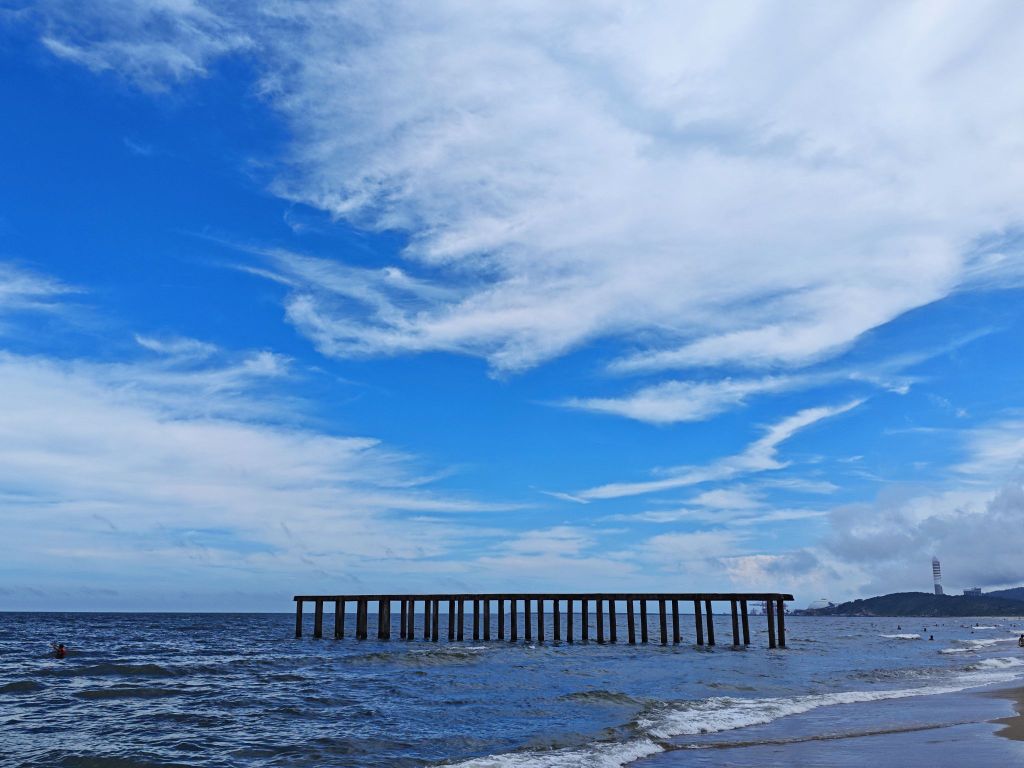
[510, 608]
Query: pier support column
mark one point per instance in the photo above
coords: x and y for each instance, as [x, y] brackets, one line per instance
[298, 618]
[585, 620]
[462, 618]
[501, 619]
[676, 635]
[769, 608]
[735, 624]
[426, 619]
[513, 619]
[540, 619]
[698, 622]
[613, 636]
[662, 623]
[556, 620]
[382, 624]
[361, 610]
[451, 619]
[487, 619]
[780, 608]
[527, 620]
[402, 620]
[435, 621]
[643, 621]
[339, 619]
[476, 619]
[318, 620]
[568, 621]
[600, 620]
[746, 622]
[411, 629]
[630, 622]
[711, 622]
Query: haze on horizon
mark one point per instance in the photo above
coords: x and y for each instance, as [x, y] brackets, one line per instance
[302, 297]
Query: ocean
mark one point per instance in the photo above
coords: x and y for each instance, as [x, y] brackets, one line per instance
[240, 690]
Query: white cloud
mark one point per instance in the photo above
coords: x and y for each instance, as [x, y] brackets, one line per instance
[759, 456]
[150, 42]
[888, 545]
[24, 290]
[674, 401]
[107, 467]
[750, 185]
[995, 452]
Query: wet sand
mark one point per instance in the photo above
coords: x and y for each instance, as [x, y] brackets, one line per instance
[930, 732]
[1013, 727]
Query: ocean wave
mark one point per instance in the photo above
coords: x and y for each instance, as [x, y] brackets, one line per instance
[21, 686]
[601, 697]
[126, 693]
[124, 670]
[996, 663]
[668, 720]
[903, 637]
[596, 755]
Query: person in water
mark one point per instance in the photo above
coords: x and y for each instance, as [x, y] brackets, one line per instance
[1021, 641]
[59, 650]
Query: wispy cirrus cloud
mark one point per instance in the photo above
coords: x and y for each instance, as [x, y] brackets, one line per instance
[152, 43]
[664, 176]
[760, 456]
[25, 290]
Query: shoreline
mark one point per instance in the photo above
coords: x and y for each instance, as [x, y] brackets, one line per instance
[1013, 726]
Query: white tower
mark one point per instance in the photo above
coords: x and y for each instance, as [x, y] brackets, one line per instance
[937, 575]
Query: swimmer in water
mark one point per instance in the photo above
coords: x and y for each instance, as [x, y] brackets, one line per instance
[59, 650]
[1020, 642]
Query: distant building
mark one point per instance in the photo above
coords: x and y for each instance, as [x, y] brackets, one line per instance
[973, 592]
[937, 575]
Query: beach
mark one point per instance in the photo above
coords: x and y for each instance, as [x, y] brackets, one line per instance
[219, 690]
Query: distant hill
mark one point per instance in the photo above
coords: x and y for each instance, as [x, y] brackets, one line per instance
[925, 604]
[1017, 593]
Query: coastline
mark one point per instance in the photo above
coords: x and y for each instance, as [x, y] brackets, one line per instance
[1013, 726]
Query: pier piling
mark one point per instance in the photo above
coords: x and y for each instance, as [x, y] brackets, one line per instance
[676, 636]
[318, 620]
[735, 624]
[711, 622]
[746, 622]
[662, 624]
[703, 608]
[780, 613]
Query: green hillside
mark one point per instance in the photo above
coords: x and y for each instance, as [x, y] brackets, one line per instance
[923, 604]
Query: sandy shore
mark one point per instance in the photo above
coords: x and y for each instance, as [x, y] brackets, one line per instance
[1013, 727]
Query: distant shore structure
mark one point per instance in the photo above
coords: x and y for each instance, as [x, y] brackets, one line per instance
[972, 592]
[535, 606]
[937, 575]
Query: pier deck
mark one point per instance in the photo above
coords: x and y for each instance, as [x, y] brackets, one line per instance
[509, 607]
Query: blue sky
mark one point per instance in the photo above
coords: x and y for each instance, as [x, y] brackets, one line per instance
[336, 297]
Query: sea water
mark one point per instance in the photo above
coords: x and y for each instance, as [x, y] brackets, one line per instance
[240, 690]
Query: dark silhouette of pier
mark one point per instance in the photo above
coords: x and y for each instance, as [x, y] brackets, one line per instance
[531, 608]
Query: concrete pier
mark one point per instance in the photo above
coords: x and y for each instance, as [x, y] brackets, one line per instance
[563, 627]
